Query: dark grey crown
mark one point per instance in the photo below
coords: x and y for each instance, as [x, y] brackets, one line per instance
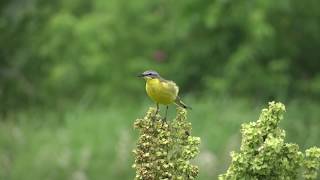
[151, 73]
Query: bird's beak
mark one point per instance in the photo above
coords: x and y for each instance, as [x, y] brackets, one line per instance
[140, 75]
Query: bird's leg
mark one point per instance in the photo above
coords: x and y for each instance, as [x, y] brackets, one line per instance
[157, 110]
[165, 115]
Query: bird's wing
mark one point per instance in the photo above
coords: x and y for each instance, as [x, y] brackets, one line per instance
[170, 85]
[174, 86]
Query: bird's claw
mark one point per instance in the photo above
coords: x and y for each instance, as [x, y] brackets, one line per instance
[187, 133]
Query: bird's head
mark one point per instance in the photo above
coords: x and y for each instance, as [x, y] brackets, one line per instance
[150, 74]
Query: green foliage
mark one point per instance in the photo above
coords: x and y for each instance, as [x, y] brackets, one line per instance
[312, 163]
[164, 149]
[264, 154]
[54, 51]
[83, 144]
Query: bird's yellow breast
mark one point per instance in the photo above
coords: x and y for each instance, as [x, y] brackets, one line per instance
[162, 91]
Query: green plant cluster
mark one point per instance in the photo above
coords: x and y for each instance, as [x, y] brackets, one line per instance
[312, 163]
[165, 148]
[264, 154]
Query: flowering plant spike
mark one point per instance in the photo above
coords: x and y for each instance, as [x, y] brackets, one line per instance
[264, 154]
[165, 148]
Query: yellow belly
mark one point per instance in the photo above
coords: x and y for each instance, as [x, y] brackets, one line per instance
[161, 92]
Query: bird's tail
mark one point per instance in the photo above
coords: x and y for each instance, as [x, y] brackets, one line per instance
[178, 102]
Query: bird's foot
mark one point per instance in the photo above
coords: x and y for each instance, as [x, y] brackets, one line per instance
[164, 122]
[156, 113]
[153, 118]
[187, 133]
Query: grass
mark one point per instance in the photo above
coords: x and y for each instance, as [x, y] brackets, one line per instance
[96, 143]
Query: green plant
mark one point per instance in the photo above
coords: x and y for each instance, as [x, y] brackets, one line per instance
[164, 149]
[264, 154]
[311, 163]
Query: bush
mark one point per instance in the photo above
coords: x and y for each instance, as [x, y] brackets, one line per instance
[264, 154]
[165, 148]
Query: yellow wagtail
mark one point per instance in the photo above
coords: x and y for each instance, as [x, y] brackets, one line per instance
[162, 91]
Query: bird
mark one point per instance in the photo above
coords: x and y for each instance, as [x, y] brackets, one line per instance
[162, 91]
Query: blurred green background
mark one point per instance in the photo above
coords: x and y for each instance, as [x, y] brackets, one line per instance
[69, 92]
